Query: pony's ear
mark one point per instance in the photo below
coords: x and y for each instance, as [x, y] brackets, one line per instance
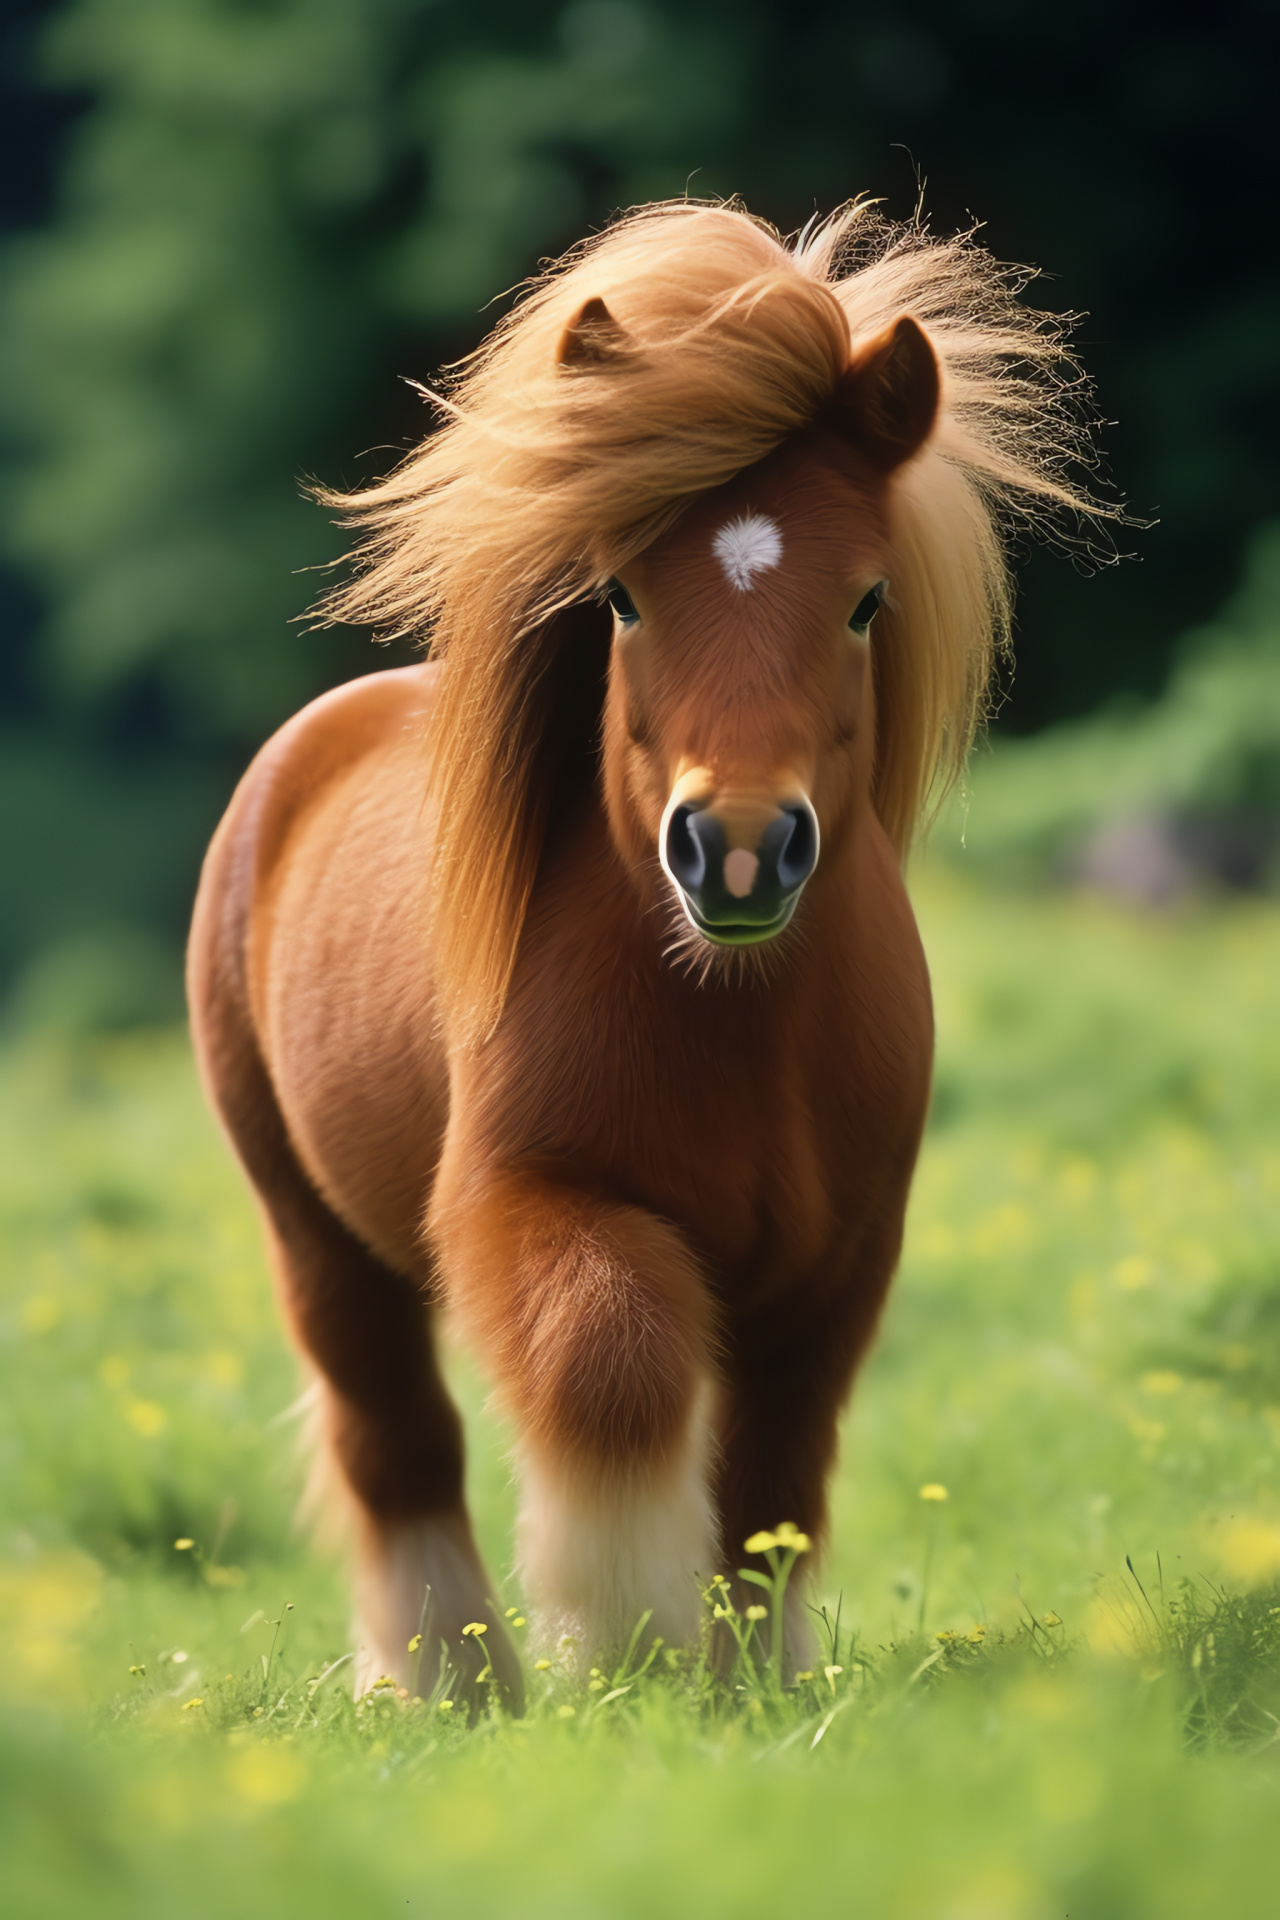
[886, 400]
[593, 338]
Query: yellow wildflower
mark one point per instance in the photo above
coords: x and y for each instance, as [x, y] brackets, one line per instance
[761, 1542]
[757, 1613]
[415, 1643]
[197, 1702]
[1133, 1272]
[146, 1418]
[183, 1544]
[268, 1775]
[542, 1666]
[933, 1490]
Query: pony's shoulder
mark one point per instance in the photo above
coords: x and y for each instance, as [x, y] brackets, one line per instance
[351, 720]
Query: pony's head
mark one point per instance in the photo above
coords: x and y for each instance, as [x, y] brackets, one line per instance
[740, 716]
[790, 470]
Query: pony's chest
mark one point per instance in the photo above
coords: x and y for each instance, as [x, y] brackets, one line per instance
[768, 1147]
[771, 1120]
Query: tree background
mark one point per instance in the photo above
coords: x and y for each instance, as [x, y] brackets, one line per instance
[235, 225]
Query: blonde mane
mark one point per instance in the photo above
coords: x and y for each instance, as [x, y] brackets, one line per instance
[544, 479]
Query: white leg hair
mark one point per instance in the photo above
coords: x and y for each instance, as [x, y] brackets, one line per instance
[413, 1577]
[426, 1577]
[596, 1554]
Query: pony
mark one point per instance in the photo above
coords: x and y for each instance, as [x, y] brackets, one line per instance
[565, 985]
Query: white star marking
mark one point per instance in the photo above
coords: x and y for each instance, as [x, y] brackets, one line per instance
[747, 546]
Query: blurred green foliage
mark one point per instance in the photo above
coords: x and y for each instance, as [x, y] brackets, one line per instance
[270, 205]
[1189, 783]
[268, 211]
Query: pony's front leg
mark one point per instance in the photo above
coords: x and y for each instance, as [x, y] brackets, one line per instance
[787, 1372]
[594, 1321]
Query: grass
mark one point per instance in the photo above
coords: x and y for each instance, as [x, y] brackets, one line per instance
[1055, 1691]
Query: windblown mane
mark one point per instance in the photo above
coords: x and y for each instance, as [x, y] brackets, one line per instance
[544, 479]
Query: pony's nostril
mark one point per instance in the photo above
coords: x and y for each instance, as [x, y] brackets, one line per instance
[686, 857]
[798, 854]
[740, 885]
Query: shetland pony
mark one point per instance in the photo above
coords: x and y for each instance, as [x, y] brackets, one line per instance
[566, 985]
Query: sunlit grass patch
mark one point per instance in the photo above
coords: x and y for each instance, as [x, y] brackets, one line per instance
[1004, 1718]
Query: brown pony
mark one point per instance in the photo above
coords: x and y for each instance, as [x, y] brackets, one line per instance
[567, 985]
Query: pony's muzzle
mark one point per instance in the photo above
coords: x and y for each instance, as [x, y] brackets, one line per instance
[739, 887]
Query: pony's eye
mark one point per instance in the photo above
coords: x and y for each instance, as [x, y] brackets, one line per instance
[621, 602]
[867, 608]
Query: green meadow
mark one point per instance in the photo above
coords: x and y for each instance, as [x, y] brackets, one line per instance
[1051, 1686]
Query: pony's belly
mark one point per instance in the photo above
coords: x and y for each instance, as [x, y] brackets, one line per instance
[367, 1125]
[358, 1068]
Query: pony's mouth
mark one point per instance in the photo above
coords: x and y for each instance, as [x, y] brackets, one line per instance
[738, 933]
